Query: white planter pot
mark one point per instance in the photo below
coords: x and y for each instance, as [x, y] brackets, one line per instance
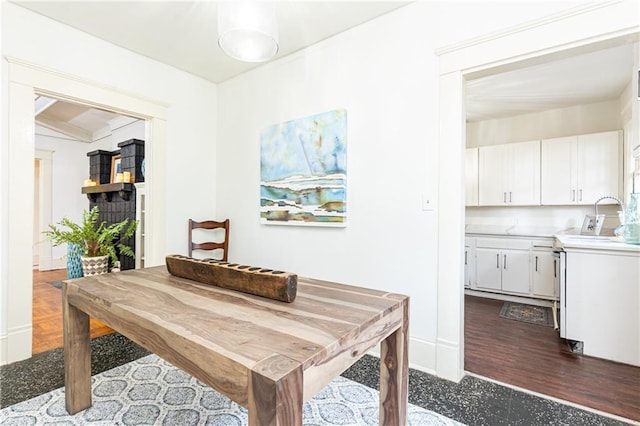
[95, 265]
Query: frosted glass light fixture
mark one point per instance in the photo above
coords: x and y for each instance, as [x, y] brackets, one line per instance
[248, 30]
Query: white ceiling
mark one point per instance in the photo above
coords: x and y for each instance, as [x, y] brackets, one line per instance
[183, 34]
[573, 80]
[75, 121]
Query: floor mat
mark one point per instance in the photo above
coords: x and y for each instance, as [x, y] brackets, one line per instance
[527, 313]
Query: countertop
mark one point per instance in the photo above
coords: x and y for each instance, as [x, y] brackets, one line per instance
[577, 242]
[564, 238]
[515, 231]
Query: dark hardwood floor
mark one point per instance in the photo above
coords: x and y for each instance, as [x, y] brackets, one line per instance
[47, 312]
[534, 357]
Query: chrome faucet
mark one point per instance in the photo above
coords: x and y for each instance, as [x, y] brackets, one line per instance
[610, 198]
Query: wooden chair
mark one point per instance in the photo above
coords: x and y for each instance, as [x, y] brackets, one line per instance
[209, 245]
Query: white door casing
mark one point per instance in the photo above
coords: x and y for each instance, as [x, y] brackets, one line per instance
[580, 29]
[25, 80]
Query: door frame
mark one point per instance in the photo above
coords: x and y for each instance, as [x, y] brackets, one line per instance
[16, 276]
[578, 30]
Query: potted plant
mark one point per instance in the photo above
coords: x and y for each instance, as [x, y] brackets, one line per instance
[98, 241]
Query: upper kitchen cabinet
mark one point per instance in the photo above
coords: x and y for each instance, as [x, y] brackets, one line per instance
[471, 176]
[509, 175]
[581, 169]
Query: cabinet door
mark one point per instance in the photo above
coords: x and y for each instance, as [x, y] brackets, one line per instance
[523, 165]
[488, 272]
[491, 176]
[471, 176]
[558, 171]
[543, 274]
[598, 167]
[467, 282]
[515, 271]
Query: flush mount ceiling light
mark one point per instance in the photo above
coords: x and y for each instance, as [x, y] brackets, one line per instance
[248, 30]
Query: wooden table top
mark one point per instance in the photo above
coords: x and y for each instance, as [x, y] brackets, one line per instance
[192, 325]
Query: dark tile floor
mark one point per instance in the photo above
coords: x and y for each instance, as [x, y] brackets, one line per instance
[473, 401]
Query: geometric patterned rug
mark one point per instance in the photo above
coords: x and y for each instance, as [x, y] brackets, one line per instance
[150, 391]
[539, 315]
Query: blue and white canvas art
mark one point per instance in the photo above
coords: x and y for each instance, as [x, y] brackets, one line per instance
[303, 171]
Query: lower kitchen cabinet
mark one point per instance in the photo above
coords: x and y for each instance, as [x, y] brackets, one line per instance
[516, 266]
[543, 270]
[544, 279]
[469, 262]
[502, 265]
[601, 303]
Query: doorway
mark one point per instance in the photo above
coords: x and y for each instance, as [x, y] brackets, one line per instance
[25, 81]
[508, 347]
[64, 133]
[575, 29]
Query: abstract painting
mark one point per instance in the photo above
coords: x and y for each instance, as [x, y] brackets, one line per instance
[303, 171]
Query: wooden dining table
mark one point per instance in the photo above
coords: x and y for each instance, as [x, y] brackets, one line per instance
[266, 355]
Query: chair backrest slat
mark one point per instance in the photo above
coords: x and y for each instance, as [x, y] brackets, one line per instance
[210, 245]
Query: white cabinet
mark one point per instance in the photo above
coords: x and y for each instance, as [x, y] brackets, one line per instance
[469, 262]
[140, 217]
[543, 270]
[601, 303]
[471, 176]
[581, 169]
[509, 174]
[511, 265]
[503, 265]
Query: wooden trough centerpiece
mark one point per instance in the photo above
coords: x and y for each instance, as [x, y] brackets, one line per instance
[277, 285]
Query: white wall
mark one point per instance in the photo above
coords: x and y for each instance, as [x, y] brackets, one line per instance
[555, 123]
[190, 147]
[543, 219]
[385, 74]
[191, 102]
[70, 167]
[389, 241]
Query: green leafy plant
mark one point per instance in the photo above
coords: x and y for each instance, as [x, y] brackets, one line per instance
[96, 239]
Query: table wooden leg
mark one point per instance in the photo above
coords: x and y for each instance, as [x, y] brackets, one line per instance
[77, 356]
[394, 374]
[275, 392]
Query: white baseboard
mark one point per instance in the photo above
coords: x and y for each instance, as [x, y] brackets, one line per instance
[422, 355]
[16, 345]
[58, 264]
[3, 349]
[449, 364]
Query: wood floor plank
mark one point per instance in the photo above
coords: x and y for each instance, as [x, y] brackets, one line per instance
[534, 357]
[47, 313]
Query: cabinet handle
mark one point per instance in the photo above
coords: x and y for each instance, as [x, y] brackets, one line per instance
[573, 195]
[580, 195]
[510, 197]
[465, 257]
[504, 197]
[498, 260]
[555, 271]
[536, 263]
[505, 262]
